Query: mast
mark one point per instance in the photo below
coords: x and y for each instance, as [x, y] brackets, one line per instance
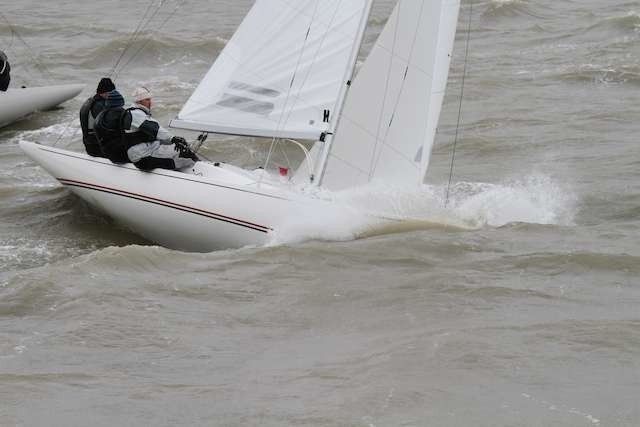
[328, 136]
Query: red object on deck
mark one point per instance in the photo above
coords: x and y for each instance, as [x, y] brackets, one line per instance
[283, 171]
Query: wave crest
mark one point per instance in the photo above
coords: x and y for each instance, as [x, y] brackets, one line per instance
[507, 9]
[627, 23]
[383, 209]
[603, 74]
[148, 47]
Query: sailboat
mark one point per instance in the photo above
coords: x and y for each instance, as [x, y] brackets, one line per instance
[17, 103]
[287, 74]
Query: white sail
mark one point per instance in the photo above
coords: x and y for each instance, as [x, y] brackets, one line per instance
[389, 120]
[283, 71]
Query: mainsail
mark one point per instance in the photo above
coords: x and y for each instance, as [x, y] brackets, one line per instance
[388, 124]
[283, 72]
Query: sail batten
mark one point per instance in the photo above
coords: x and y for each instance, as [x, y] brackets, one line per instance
[280, 72]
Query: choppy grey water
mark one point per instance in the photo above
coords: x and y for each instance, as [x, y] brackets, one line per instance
[527, 315]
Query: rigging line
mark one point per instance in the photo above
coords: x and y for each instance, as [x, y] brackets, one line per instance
[464, 76]
[145, 27]
[65, 131]
[139, 28]
[286, 158]
[10, 44]
[374, 163]
[137, 31]
[132, 38]
[144, 45]
[272, 147]
[31, 51]
[386, 90]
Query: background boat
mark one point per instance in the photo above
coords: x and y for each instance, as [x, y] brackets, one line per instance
[16, 103]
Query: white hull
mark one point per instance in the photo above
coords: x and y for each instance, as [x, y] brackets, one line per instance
[207, 208]
[18, 103]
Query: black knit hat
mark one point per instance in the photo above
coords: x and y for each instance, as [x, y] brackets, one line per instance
[114, 99]
[105, 85]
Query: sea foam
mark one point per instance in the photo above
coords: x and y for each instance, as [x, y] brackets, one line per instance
[382, 209]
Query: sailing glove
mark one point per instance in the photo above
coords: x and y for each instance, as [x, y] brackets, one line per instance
[179, 141]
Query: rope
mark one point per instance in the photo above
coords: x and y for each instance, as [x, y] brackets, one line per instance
[286, 158]
[30, 50]
[464, 76]
[13, 38]
[132, 38]
[140, 27]
[272, 147]
[14, 35]
[144, 45]
[64, 132]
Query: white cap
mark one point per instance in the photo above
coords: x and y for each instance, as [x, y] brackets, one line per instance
[141, 93]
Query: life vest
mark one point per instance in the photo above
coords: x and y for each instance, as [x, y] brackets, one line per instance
[110, 128]
[90, 107]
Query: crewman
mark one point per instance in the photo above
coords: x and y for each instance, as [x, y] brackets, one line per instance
[164, 151]
[88, 114]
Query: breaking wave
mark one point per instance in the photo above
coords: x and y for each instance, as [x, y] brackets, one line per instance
[626, 23]
[599, 74]
[148, 46]
[382, 209]
[507, 8]
[32, 30]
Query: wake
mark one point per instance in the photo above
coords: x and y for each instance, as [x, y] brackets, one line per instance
[384, 209]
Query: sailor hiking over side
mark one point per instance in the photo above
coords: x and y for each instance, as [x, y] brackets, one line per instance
[132, 135]
[164, 151]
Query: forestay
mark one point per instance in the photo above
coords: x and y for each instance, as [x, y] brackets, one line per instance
[389, 120]
[282, 73]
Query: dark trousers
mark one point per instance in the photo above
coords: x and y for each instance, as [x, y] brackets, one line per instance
[4, 81]
[5, 78]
